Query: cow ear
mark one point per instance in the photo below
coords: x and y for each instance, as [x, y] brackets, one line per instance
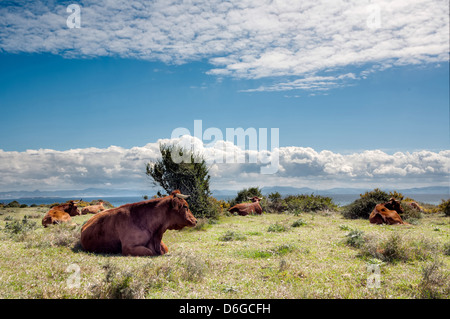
[174, 203]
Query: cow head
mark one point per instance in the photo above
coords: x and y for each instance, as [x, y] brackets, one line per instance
[394, 205]
[254, 199]
[72, 208]
[180, 213]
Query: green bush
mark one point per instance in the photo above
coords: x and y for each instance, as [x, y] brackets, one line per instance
[363, 206]
[298, 223]
[355, 238]
[394, 249]
[309, 203]
[245, 194]
[117, 284]
[18, 227]
[274, 204]
[277, 228]
[231, 235]
[434, 283]
[193, 267]
[410, 214]
[444, 207]
[295, 204]
[13, 204]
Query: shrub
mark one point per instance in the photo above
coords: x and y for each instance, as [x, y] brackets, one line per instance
[118, 284]
[13, 204]
[447, 249]
[355, 238]
[410, 213]
[362, 207]
[193, 267]
[434, 283]
[266, 253]
[396, 249]
[275, 203]
[16, 227]
[309, 203]
[297, 203]
[298, 223]
[231, 235]
[276, 228]
[344, 227]
[393, 249]
[283, 249]
[256, 254]
[444, 207]
[243, 195]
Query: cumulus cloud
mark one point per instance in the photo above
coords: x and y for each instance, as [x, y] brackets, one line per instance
[240, 38]
[117, 167]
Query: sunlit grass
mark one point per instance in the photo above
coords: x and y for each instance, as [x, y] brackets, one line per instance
[237, 257]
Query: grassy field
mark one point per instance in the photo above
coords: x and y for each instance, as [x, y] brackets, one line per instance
[310, 255]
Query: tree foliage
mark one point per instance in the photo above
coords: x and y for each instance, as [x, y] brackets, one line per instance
[190, 176]
[244, 195]
[363, 206]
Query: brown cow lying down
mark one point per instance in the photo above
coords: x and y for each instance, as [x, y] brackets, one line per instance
[93, 209]
[416, 206]
[61, 213]
[387, 213]
[137, 229]
[247, 208]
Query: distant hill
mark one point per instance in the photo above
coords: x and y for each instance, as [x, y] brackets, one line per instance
[283, 190]
[88, 192]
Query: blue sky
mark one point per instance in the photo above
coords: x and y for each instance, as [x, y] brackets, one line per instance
[49, 101]
[359, 91]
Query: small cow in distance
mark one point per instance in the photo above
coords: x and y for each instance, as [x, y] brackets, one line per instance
[244, 209]
[137, 229]
[61, 213]
[93, 209]
[387, 213]
[415, 206]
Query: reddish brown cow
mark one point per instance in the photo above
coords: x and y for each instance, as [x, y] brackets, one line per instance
[387, 213]
[137, 229]
[93, 209]
[416, 206]
[61, 213]
[244, 209]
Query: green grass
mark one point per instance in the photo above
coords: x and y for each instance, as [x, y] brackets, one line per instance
[237, 257]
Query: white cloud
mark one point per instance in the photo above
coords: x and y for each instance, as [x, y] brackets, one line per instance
[118, 167]
[244, 39]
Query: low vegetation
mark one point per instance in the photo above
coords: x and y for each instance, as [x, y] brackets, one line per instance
[291, 253]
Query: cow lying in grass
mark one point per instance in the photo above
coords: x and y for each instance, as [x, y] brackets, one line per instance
[387, 213]
[93, 209]
[137, 229]
[61, 213]
[244, 209]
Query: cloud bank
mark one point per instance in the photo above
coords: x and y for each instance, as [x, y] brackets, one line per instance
[300, 41]
[117, 167]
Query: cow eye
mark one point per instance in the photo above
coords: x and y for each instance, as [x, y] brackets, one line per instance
[184, 206]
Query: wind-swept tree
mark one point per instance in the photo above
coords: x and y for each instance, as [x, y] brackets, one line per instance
[181, 169]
